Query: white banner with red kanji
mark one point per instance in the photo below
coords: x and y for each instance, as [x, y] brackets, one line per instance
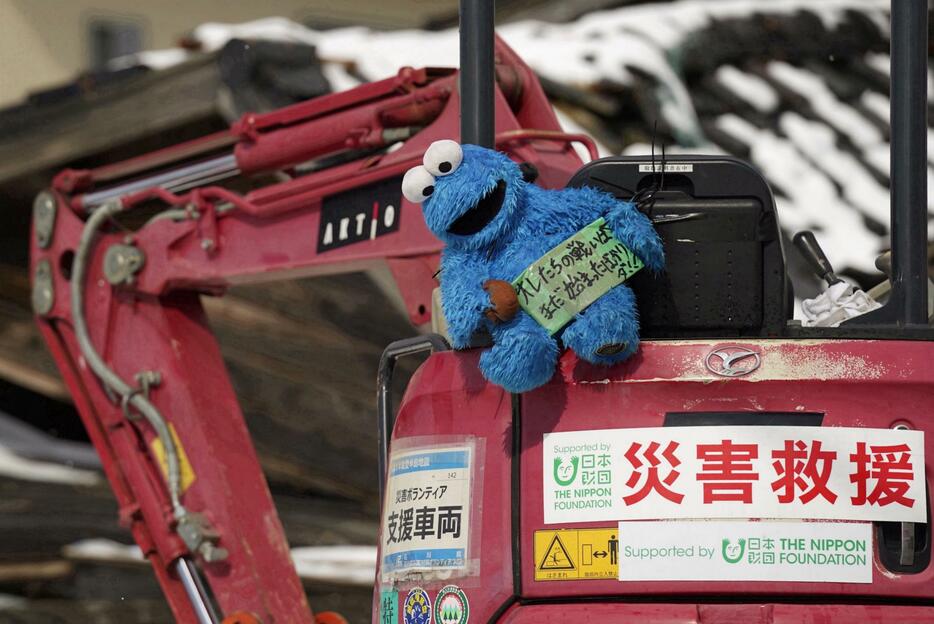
[734, 472]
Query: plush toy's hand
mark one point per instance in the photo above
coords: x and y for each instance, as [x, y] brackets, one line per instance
[504, 300]
[635, 230]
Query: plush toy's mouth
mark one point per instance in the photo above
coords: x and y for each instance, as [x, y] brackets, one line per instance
[480, 215]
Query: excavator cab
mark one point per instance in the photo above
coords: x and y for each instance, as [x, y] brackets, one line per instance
[740, 467]
[725, 264]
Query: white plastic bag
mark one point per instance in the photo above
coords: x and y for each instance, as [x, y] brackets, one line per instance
[841, 301]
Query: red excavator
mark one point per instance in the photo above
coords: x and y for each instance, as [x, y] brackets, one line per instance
[739, 468]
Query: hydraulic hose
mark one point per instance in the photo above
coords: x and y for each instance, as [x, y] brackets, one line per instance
[100, 368]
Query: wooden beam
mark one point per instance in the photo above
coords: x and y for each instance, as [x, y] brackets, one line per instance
[34, 571]
[111, 115]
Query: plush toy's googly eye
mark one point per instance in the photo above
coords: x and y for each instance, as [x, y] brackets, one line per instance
[417, 184]
[443, 157]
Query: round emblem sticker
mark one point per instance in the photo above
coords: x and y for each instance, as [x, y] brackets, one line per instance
[451, 606]
[417, 607]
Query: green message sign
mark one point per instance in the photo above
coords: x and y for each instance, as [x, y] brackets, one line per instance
[570, 277]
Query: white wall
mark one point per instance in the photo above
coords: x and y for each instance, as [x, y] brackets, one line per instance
[45, 42]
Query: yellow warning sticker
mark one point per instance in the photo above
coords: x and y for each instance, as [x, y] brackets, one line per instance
[576, 554]
[188, 473]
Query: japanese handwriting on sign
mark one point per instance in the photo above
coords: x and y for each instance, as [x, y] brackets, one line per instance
[574, 274]
[551, 306]
[424, 522]
[527, 289]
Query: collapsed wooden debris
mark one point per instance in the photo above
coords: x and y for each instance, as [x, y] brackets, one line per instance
[800, 93]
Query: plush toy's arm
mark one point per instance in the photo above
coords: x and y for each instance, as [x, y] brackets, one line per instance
[463, 298]
[635, 230]
[581, 206]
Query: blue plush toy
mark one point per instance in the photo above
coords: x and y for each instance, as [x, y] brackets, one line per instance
[494, 225]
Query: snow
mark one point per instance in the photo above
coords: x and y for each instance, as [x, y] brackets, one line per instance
[645, 149]
[751, 88]
[876, 103]
[741, 129]
[880, 62]
[639, 36]
[352, 565]
[379, 55]
[817, 142]
[347, 565]
[338, 77]
[821, 186]
[101, 549]
[570, 126]
[880, 17]
[878, 157]
[601, 46]
[16, 467]
[845, 119]
[809, 200]
[668, 24]
[153, 59]
[214, 35]
[10, 602]
[883, 63]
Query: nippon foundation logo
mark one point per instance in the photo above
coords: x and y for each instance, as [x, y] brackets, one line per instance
[732, 361]
[565, 470]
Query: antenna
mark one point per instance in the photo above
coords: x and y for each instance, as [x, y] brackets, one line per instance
[476, 72]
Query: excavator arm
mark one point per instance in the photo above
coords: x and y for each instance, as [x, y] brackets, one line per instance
[121, 255]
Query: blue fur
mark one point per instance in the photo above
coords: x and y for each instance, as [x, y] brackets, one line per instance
[531, 222]
[612, 318]
[523, 356]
